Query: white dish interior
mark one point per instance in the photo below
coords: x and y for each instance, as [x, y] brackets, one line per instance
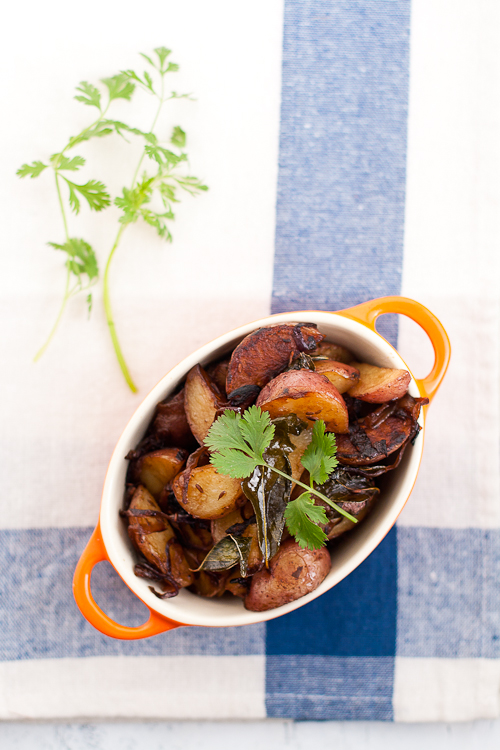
[349, 550]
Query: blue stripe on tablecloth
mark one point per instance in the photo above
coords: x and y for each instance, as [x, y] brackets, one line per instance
[330, 687]
[341, 181]
[351, 630]
[448, 593]
[339, 241]
[39, 618]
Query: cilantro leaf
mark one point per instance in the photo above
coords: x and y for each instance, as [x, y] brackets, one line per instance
[319, 456]
[91, 95]
[190, 184]
[239, 441]
[178, 137]
[233, 463]
[99, 130]
[31, 170]
[59, 161]
[256, 429]
[157, 221]
[163, 156]
[119, 87]
[302, 517]
[93, 191]
[162, 54]
[81, 261]
[225, 432]
[149, 60]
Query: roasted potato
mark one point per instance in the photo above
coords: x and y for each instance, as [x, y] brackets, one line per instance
[154, 537]
[340, 375]
[157, 469]
[379, 384]
[333, 351]
[307, 394]
[293, 572]
[263, 354]
[205, 493]
[380, 433]
[170, 425]
[202, 400]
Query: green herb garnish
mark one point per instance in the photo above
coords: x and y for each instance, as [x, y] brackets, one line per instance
[239, 443]
[165, 180]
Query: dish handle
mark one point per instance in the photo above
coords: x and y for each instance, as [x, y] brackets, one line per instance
[368, 312]
[94, 553]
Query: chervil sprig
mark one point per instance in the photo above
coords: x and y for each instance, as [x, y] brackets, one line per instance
[238, 443]
[168, 177]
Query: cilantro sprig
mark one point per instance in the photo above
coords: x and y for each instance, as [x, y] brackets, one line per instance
[238, 443]
[167, 178]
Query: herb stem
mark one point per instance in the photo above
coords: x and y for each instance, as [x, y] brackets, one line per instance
[160, 105]
[313, 492]
[107, 300]
[109, 317]
[67, 294]
[59, 316]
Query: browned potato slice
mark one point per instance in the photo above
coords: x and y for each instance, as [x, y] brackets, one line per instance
[201, 402]
[340, 375]
[155, 538]
[379, 384]
[157, 469]
[210, 584]
[255, 558]
[266, 352]
[333, 351]
[340, 525]
[380, 433]
[220, 525]
[206, 494]
[218, 374]
[293, 572]
[170, 424]
[307, 394]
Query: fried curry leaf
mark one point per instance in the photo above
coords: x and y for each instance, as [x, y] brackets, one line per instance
[229, 551]
[268, 491]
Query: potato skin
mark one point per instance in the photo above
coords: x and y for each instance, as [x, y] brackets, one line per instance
[266, 352]
[379, 384]
[307, 394]
[204, 493]
[293, 573]
[340, 375]
[201, 402]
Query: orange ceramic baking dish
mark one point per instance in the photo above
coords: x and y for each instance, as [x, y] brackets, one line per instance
[353, 328]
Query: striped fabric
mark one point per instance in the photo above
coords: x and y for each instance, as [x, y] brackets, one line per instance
[342, 193]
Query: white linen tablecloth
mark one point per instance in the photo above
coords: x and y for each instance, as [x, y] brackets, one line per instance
[351, 150]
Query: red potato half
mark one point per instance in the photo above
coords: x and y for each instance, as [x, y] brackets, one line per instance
[201, 402]
[266, 352]
[379, 384]
[293, 572]
[340, 375]
[307, 394]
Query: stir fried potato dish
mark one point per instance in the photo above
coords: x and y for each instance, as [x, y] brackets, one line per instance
[316, 428]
